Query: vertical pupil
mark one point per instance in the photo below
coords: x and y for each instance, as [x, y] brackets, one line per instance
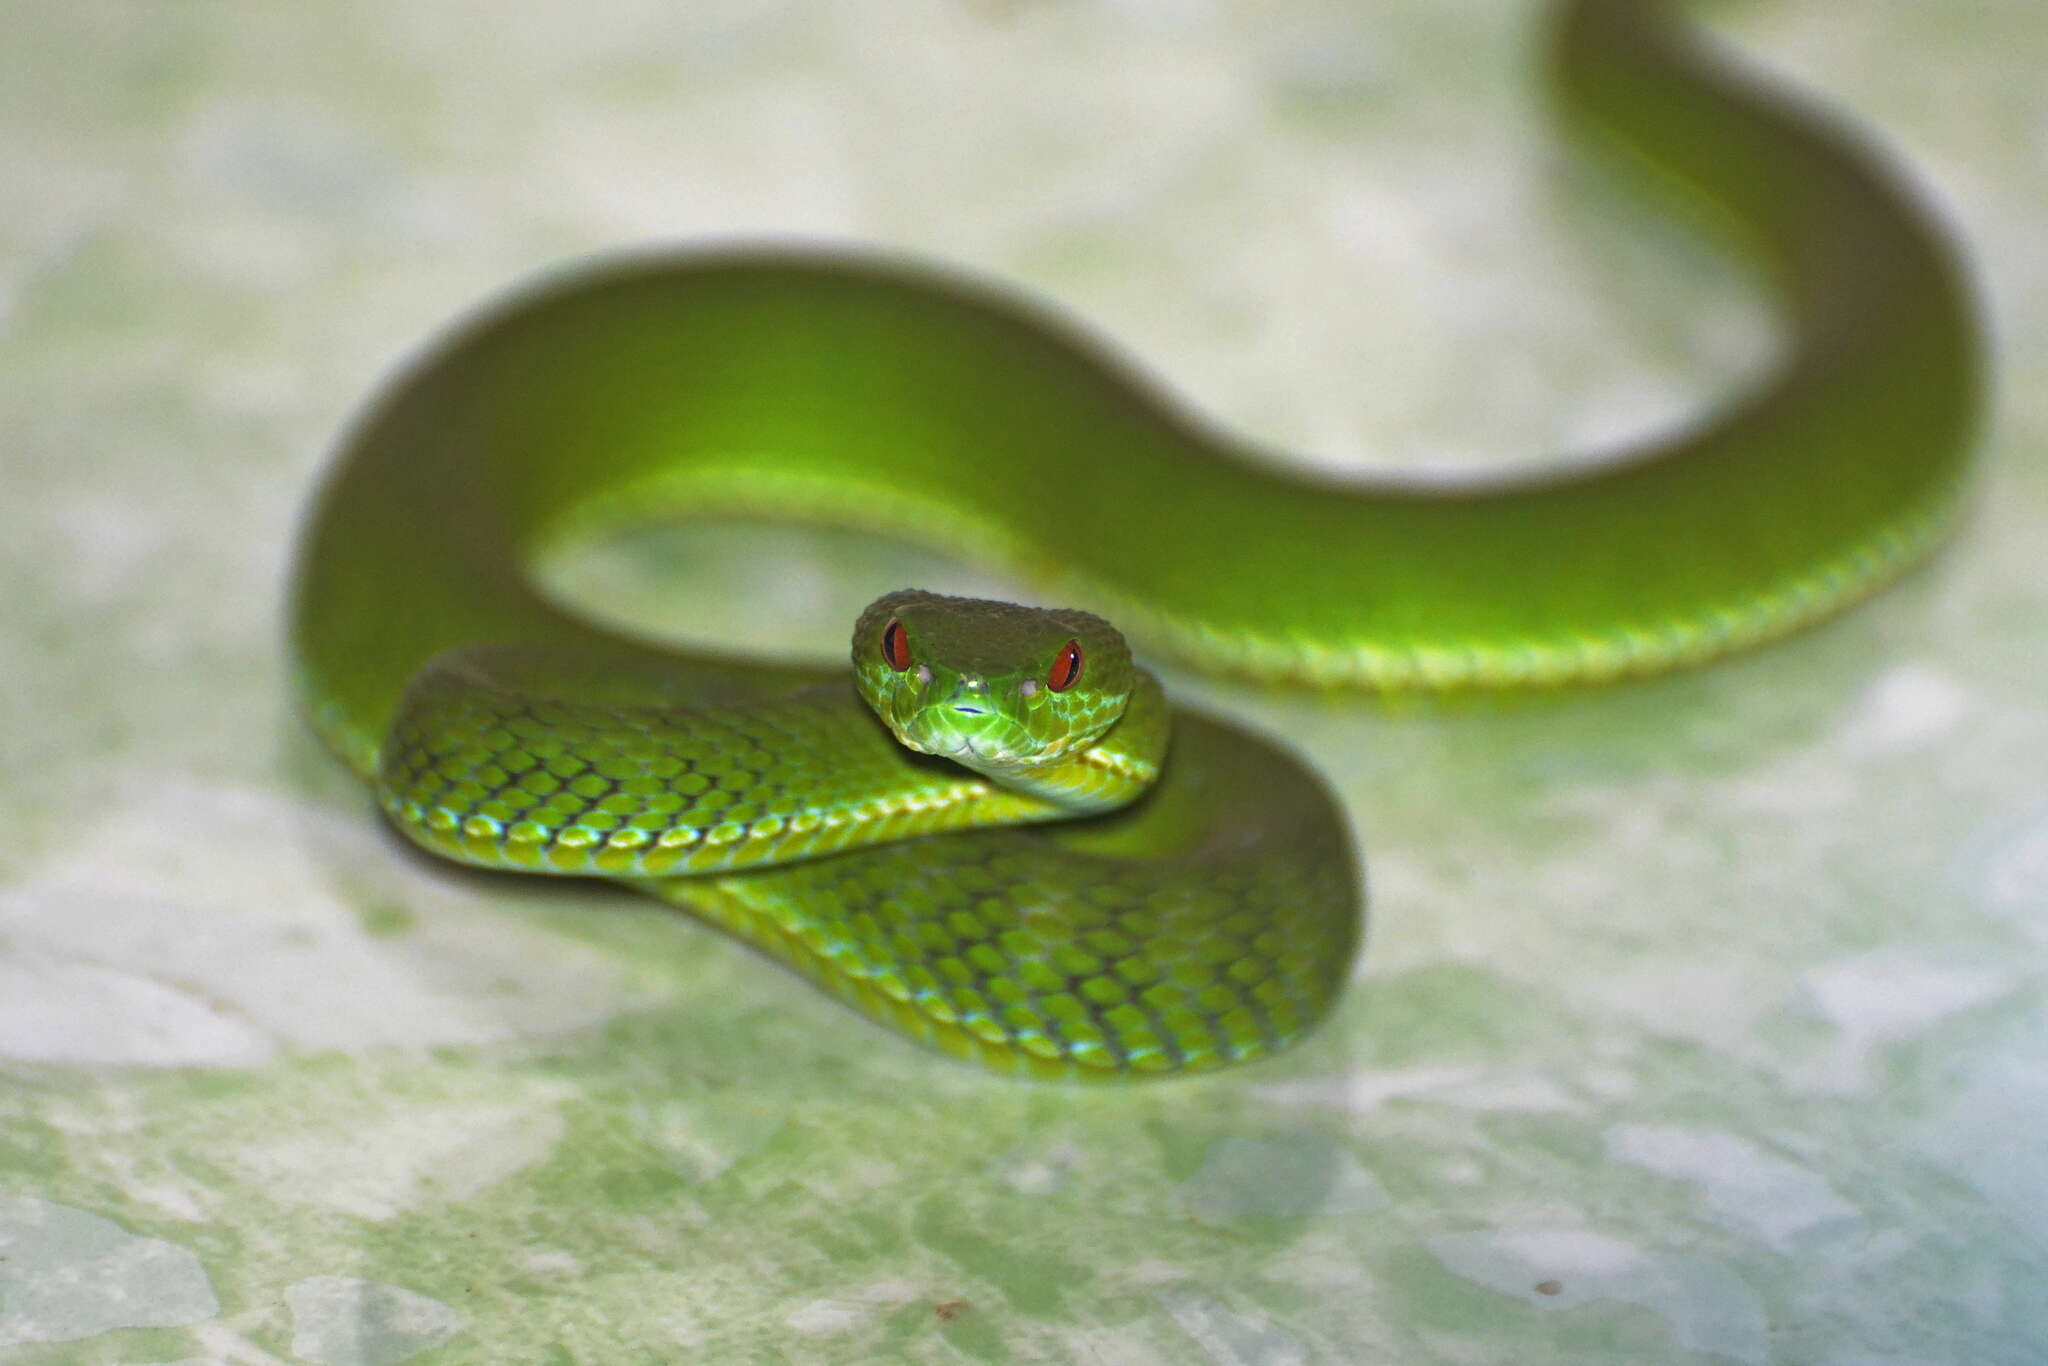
[895, 648]
[1066, 668]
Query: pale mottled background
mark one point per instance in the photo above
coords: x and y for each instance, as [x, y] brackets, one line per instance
[1700, 1022]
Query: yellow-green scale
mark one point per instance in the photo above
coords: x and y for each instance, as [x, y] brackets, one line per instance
[482, 771]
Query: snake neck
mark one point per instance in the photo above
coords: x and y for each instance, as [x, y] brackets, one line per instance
[525, 759]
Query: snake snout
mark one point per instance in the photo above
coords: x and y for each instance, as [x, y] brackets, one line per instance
[970, 696]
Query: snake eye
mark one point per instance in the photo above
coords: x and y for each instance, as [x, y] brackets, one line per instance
[896, 646]
[1066, 668]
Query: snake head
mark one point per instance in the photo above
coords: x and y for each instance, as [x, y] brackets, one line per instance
[992, 685]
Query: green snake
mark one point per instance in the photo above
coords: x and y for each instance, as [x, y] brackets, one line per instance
[886, 834]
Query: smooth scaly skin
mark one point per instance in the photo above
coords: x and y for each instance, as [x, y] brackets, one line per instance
[1214, 919]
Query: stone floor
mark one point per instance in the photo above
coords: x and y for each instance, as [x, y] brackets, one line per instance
[1702, 1021]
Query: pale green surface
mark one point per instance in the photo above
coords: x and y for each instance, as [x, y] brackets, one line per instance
[1719, 1003]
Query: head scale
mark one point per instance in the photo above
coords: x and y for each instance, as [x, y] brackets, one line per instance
[990, 684]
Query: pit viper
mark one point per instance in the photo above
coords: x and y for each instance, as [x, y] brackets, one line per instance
[995, 834]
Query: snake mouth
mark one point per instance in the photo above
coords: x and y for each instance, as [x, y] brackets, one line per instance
[979, 737]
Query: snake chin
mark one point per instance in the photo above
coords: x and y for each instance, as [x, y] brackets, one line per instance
[982, 741]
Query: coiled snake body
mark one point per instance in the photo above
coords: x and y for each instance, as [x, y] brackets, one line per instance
[882, 834]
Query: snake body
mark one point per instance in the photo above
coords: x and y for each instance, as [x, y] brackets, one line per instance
[1212, 914]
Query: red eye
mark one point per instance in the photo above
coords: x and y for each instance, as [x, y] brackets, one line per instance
[1066, 668]
[896, 646]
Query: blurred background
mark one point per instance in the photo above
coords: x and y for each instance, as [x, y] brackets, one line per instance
[1698, 1021]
